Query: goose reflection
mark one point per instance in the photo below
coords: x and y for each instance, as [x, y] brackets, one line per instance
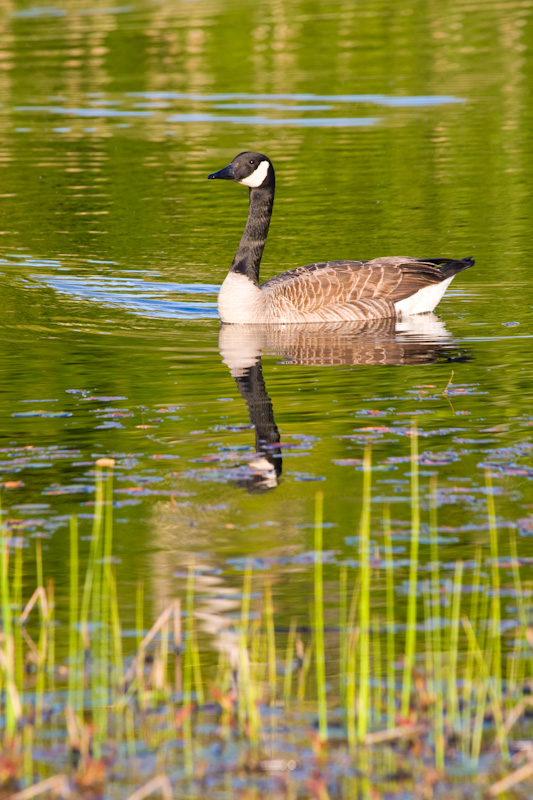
[420, 340]
[423, 339]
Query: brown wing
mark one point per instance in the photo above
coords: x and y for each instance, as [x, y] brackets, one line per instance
[333, 283]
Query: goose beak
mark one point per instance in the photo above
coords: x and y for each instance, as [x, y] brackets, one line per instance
[226, 174]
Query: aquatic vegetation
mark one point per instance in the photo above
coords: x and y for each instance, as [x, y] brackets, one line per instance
[429, 688]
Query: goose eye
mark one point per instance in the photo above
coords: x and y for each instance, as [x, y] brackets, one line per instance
[252, 161]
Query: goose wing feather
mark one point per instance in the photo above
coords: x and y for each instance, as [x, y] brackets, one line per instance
[333, 283]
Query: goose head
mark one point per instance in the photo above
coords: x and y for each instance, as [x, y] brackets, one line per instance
[250, 169]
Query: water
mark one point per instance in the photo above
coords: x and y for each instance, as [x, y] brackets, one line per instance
[393, 129]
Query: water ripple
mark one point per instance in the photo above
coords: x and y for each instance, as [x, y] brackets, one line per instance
[146, 298]
[150, 103]
[308, 122]
[375, 99]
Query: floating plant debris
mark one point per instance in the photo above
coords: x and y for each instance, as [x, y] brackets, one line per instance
[525, 526]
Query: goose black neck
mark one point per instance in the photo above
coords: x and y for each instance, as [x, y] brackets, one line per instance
[248, 257]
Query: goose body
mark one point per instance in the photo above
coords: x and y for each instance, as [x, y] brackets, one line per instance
[330, 291]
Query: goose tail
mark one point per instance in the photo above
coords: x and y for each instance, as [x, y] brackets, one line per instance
[448, 267]
[440, 274]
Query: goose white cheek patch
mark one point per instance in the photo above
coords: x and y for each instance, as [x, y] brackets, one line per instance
[257, 177]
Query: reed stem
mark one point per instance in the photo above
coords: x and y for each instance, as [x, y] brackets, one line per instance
[410, 637]
[364, 603]
[320, 658]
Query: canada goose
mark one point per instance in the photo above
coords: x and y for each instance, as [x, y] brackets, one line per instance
[324, 292]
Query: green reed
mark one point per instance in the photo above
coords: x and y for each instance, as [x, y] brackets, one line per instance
[364, 603]
[107, 555]
[304, 672]
[7, 653]
[390, 614]
[458, 676]
[247, 706]
[320, 658]
[429, 652]
[376, 670]
[343, 626]
[436, 644]
[73, 652]
[495, 630]
[410, 638]
[453, 646]
[51, 648]
[522, 613]
[271, 641]
[469, 682]
[289, 662]
[493, 687]
[188, 747]
[17, 605]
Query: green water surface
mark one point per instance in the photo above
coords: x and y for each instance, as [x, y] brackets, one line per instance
[395, 128]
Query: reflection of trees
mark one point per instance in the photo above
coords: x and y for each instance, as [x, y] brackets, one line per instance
[295, 47]
[469, 160]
